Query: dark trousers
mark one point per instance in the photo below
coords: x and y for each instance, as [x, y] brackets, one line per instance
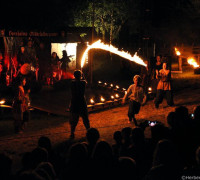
[20, 118]
[160, 95]
[154, 84]
[75, 118]
[134, 108]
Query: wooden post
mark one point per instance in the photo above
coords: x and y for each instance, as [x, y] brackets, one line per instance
[180, 63]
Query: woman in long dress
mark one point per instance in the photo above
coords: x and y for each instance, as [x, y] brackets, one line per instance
[20, 106]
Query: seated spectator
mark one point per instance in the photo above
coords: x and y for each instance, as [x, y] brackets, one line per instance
[45, 169]
[196, 122]
[182, 117]
[30, 175]
[126, 141]
[195, 169]
[118, 143]
[165, 165]
[77, 161]
[92, 137]
[45, 142]
[127, 168]
[5, 167]
[42, 173]
[39, 155]
[138, 151]
[159, 132]
[197, 113]
[184, 136]
[197, 116]
[102, 159]
[54, 159]
[171, 120]
[26, 163]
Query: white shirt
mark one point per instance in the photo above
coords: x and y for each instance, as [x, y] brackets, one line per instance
[135, 93]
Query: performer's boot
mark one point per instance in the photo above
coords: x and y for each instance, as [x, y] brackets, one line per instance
[135, 122]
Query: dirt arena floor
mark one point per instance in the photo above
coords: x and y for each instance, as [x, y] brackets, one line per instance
[57, 128]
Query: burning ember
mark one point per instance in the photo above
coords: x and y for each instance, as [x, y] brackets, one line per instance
[99, 45]
[177, 52]
[192, 62]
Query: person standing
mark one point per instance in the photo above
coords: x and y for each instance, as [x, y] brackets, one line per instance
[78, 106]
[145, 75]
[3, 71]
[135, 93]
[55, 67]
[164, 86]
[22, 57]
[44, 63]
[156, 67]
[20, 106]
[65, 61]
[31, 53]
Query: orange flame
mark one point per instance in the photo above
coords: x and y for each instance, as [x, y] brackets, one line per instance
[178, 53]
[192, 62]
[99, 45]
[102, 99]
[92, 101]
[2, 102]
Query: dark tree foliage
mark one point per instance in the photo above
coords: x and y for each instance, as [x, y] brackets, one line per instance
[109, 16]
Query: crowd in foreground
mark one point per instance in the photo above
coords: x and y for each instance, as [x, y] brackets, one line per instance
[172, 152]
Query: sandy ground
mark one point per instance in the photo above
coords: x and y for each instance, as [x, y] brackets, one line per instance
[107, 121]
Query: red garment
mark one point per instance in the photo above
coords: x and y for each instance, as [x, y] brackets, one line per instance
[164, 82]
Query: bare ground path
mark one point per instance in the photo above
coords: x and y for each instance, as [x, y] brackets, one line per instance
[107, 122]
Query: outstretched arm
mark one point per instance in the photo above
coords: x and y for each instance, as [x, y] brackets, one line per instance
[126, 94]
[83, 77]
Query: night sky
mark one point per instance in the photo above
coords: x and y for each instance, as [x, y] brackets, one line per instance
[34, 13]
[156, 18]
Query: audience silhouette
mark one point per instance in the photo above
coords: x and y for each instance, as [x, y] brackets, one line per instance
[172, 152]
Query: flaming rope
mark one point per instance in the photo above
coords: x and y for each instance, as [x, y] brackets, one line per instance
[99, 45]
